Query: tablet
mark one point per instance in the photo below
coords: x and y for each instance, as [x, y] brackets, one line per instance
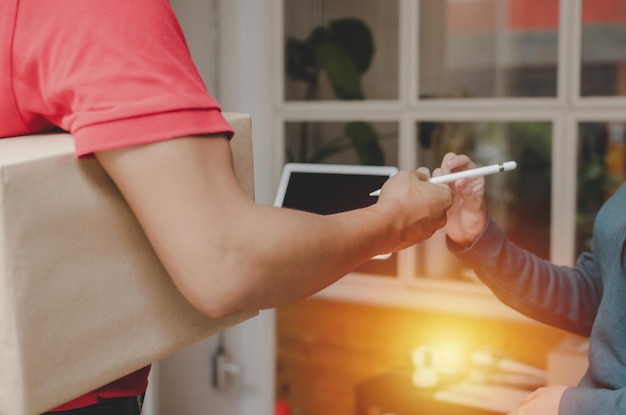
[330, 188]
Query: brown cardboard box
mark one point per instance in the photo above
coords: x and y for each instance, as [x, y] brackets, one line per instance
[83, 298]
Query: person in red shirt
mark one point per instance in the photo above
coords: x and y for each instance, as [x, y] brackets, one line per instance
[118, 76]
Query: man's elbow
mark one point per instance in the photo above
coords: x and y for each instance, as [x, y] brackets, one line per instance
[218, 301]
[232, 286]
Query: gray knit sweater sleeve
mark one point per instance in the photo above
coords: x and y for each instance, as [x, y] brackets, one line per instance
[561, 296]
[588, 299]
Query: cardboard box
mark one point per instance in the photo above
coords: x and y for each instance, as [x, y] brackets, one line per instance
[568, 361]
[84, 299]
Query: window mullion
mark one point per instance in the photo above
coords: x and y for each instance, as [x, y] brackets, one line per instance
[562, 223]
[570, 47]
[409, 52]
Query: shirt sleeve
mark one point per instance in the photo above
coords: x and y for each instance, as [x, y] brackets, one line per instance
[561, 296]
[114, 73]
[587, 401]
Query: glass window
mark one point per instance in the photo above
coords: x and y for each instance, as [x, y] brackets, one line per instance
[601, 170]
[354, 142]
[518, 201]
[349, 50]
[488, 48]
[341, 50]
[603, 71]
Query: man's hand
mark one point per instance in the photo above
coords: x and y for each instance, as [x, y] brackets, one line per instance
[419, 207]
[543, 401]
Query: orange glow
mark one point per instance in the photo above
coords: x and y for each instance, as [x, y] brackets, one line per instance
[452, 358]
[442, 362]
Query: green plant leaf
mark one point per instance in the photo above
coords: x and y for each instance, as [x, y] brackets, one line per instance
[356, 39]
[300, 62]
[343, 51]
[364, 140]
[301, 57]
[340, 70]
[316, 39]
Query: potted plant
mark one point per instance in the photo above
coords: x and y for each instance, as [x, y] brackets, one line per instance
[342, 51]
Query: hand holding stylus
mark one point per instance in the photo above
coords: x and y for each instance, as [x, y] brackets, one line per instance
[479, 171]
[467, 217]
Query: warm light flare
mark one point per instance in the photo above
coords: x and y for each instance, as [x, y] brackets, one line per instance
[438, 363]
[452, 358]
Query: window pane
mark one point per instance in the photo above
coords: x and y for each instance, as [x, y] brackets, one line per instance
[518, 201]
[488, 48]
[355, 142]
[603, 71]
[601, 169]
[344, 49]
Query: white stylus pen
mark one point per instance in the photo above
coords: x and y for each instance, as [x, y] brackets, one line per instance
[479, 171]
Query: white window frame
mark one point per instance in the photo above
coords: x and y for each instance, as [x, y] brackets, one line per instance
[564, 112]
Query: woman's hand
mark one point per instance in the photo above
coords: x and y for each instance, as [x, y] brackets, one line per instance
[468, 215]
[543, 401]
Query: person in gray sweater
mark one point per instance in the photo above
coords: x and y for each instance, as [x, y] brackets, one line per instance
[587, 299]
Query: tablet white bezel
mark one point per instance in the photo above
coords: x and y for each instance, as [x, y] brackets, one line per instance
[290, 168]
